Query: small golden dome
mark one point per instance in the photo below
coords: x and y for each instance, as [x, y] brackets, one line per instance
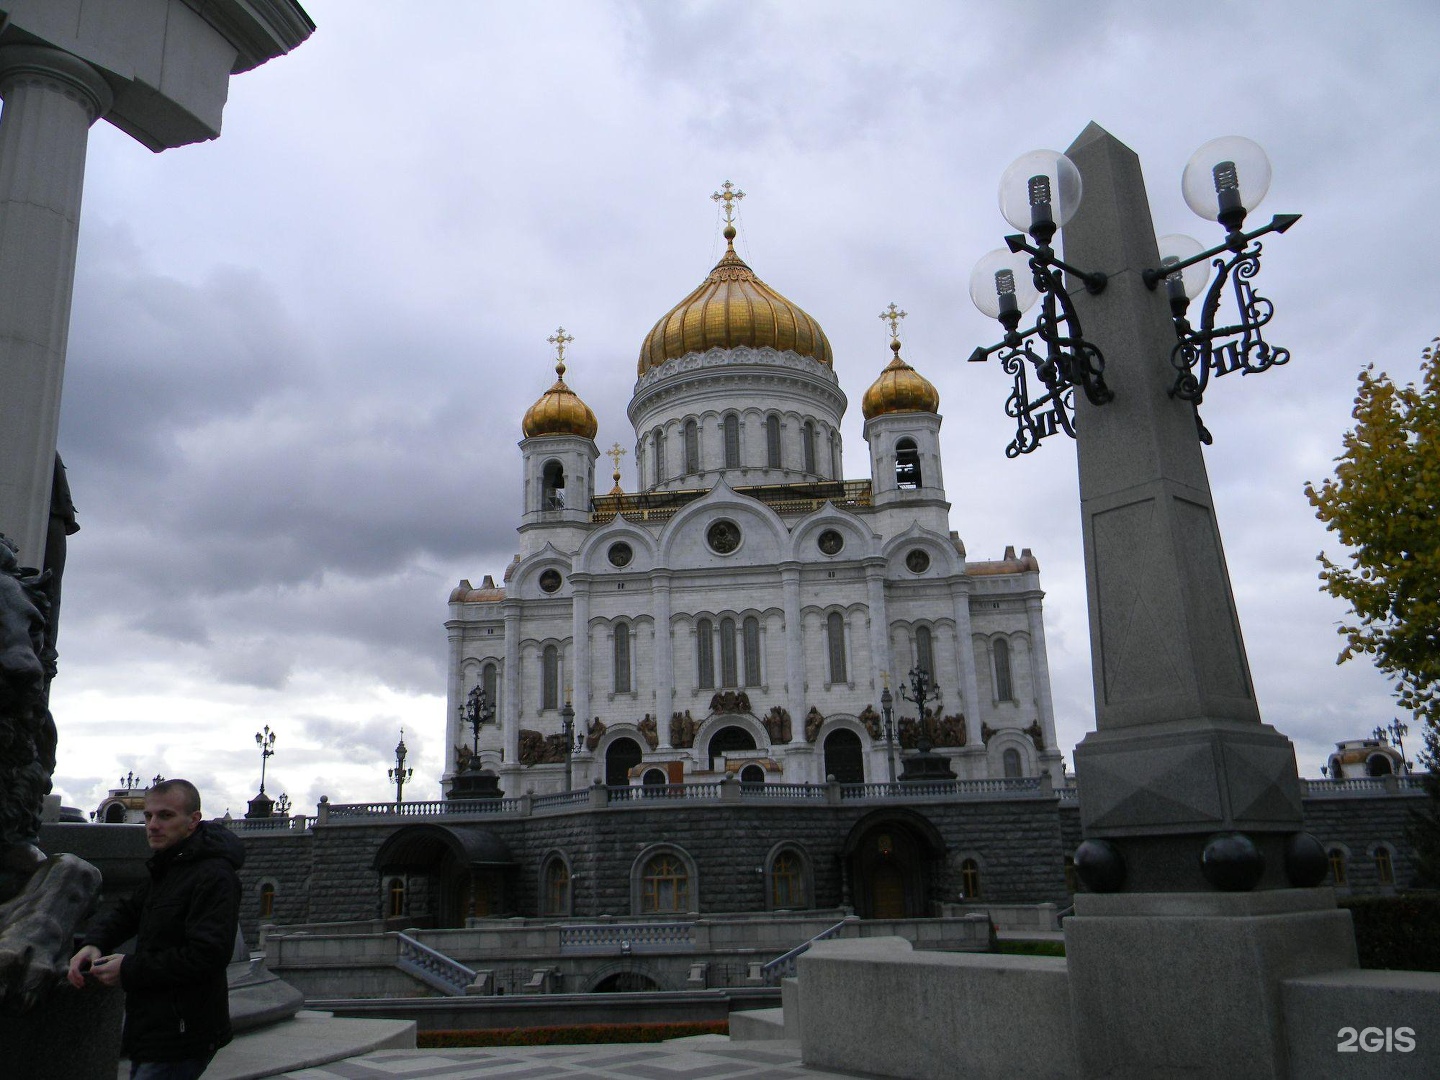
[733, 308]
[900, 388]
[559, 412]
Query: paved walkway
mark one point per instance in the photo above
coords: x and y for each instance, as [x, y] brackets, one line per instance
[706, 1057]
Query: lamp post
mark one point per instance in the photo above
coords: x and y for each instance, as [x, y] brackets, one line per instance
[474, 782]
[1397, 730]
[887, 707]
[266, 742]
[400, 775]
[567, 723]
[924, 765]
[282, 805]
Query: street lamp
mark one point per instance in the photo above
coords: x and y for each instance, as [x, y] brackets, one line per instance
[400, 775]
[266, 742]
[1224, 180]
[567, 723]
[282, 805]
[887, 706]
[924, 765]
[477, 711]
[1397, 729]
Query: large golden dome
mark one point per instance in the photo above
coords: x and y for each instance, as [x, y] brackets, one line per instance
[731, 308]
[900, 388]
[559, 412]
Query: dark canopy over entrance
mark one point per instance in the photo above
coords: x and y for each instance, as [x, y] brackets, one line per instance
[467, 867]
[732, 737]
[888, 856]
[620, 757]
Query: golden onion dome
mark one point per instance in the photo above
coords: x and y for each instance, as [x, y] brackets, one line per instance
[900, 388]
[732, 308]
[559, 412]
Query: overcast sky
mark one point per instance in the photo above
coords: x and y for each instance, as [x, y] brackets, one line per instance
[299, 354]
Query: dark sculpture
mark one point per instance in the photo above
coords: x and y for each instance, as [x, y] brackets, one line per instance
[683, 729]
[814, 721]
[538, 749]
[871, 719]
[648, 731]
[942, 731]
[1036, 735]
[463, 755]
[62, 525]
[777, 725]
[986, 733]
[593, 733]
[41, 900]
[730, 701]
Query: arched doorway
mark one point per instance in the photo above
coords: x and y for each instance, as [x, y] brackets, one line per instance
[463, 871]
[729, 738]
[889, 855]
[844, 758]
[621, 756]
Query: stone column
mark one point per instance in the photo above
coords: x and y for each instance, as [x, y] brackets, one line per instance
[794, 653]
[664, 655]
[965, 657]
[1040, 672]
[879, 631]
[51, 99]
[1179, 751]
[581, 670]
[510, 696]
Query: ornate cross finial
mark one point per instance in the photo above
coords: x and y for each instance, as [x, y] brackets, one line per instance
[893, 315]
[560, 339]
[729, 196]
[615, 453]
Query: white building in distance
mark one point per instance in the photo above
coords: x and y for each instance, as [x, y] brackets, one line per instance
[743, 610]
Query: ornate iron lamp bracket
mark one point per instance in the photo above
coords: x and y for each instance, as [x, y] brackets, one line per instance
[1213, 351]
[1069, 361]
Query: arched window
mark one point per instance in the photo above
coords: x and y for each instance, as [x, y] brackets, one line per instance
[925, 651]
[489, 682]
[654, 778]
[907, 464]
[732, 441]
[657, 453]
[692, 446]
[552, 486]
[555, 895]
[395, 898]
[1337, 866]
[267, 900]
[1003, 689]
[727, 653]
[772, 441]
[787, 881]
[752, 774]
[622, 658]
[1011, 758]
[835, 641]
[808, 442]
[1384, 866]
[705, 655]
[970, 879]
[550, 678]
[664, 885]
[752, 651]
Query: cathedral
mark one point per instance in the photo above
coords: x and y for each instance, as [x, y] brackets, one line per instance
[746, 610]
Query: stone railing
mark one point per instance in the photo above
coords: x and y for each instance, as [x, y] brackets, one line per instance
[560, 798]
[432, 967]
[952, 789]
[1364, 785]
[783, 966]
[627, 937]
[274, 823]
[661, 792]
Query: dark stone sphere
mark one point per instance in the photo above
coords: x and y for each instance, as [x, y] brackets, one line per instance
[1306, 864]
[1100, 866]
[1232, 863]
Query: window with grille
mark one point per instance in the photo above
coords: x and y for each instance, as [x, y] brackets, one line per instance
[1004, 691]
[664, 886]
[924, 651]
[752, 651]
[267, 900]
[970, 879]
[705, 654]
[692, 446]
[732, 441]
[622, 658]
[772, 441]
[550, 678]
[835, 635]
[727, 653]
[557, 887]
[787, 882]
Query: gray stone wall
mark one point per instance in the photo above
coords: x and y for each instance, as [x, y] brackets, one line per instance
[282, 859]
[1358, 825]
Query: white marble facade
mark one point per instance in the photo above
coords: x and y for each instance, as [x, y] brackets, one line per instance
[802, 595]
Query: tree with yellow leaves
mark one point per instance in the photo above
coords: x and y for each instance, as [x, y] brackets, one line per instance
[1384, 504]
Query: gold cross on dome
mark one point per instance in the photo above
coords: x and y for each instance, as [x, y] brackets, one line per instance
[729, 196]
[893, 315]
[560, 339]
[615, 453]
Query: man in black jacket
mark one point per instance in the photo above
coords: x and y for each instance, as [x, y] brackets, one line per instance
[184, 922]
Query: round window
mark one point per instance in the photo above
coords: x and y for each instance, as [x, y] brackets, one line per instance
[550, 580]
[620, 554]
[918, 561]
[830, 542]
[723, 537]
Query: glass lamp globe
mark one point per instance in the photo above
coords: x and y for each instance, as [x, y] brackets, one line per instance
[1226, 179]
[1038, 186]
[1176, 248]
[1002, 283]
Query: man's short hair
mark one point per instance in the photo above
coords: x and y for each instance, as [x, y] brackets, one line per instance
[188, 791]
